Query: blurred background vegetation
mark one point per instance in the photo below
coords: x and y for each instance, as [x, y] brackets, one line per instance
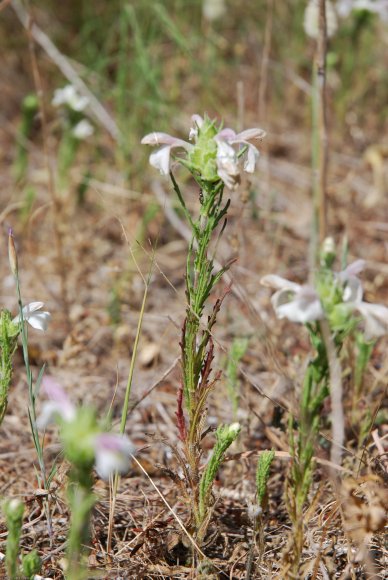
[155, 63]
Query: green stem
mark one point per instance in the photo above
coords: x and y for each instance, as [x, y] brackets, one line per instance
[81, 501]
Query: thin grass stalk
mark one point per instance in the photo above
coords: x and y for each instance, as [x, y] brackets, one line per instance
[57, 206]
[31, 407]
[319, 143]
[114, 482]
[323, 142]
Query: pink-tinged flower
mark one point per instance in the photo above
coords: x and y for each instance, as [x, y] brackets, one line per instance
[375, 315]
[113, 453]
[161, 158]
[38, 320]
[293, 301]
[227, 157]
[58, 404]
[214, 155]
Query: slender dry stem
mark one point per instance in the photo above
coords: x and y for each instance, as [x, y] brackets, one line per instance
[322, 118]
[337, 412]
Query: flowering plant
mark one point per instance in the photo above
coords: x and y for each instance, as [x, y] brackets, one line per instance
[84, 442]
[214, 154]
[332, 310]
[337, 296]
[76, 127]
[85, 446]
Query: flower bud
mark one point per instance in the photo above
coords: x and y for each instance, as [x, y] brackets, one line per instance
[12, 255]
[328, 252]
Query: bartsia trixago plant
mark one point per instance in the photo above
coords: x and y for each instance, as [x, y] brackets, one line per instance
[84, 441]
[337, 296]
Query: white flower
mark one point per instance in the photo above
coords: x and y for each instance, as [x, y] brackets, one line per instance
[213, 9]
[254, 511]
[293, 301]
[83, 130]
[113, 453]
[227, 157]
[379, 7]
[58, 404]
[161, 158]
[70, 97]
[311, 19]
[375, 315]
[227, 164]
[38, 320]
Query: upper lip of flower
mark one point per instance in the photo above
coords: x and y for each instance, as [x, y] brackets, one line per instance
[160, 159]
[38, 320]
[58, 403]
[304, 304]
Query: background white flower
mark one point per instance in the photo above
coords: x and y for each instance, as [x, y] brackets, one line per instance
[83, 130]
[31, 314]
[113, 453]
[293, 301]
[375, 315]
[379, 7]
[71, 98]
[213, 9]
[58, 404]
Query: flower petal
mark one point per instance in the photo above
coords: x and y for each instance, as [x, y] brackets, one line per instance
[249, 134]
[198, 122]
[252, 157]
[113, 453]
[58, 404]
[352, 291]
[226, 135]
[227, 164]
[279, 283]
[32, 307]
[83, 130]
[354, 269]
[160, 159]
[40, 320]
[376, 319]
[304, 307]
[164, 139]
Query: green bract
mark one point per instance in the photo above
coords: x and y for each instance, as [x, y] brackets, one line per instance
[78, 437]
[202, 158]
